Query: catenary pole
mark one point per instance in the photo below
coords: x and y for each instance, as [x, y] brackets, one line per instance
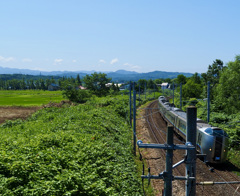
[173, 92]
[154, 85]
[181, 96]
[208, 101]
[169, 159]
[190, 185]
[145, 90]
[130, 103]
[139, 91]
[134, 121]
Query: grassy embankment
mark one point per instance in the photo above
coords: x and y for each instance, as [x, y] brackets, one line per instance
[80, 150]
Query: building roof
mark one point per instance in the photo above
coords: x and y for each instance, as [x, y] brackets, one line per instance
[164, 84]
[82, 87]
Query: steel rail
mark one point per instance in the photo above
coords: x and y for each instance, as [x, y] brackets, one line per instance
[150, 124]
[230, 184]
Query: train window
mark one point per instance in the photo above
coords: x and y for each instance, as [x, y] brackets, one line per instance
[219, 132]
[176, 109]
[216, 132]
[182, 126]
[200, 120]
[209, 131]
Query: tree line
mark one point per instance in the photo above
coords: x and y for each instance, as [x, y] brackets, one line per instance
[224, 83]
[24, 82]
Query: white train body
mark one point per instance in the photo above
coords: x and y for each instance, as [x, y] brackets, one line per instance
[211, 141]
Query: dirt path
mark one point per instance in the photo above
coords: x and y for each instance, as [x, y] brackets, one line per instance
[153, 157]
[19, 112]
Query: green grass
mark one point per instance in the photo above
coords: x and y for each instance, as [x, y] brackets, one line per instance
[28, 97]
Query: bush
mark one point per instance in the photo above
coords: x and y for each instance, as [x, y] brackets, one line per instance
[81, 150]
[76, 95]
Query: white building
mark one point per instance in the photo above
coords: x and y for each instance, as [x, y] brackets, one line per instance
[164, 85]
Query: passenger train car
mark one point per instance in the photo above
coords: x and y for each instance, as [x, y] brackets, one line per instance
[211, 141]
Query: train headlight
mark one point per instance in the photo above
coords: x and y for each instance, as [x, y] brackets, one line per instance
[224, 150]
[210, 149]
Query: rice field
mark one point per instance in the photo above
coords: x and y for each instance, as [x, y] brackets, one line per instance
[29, 97]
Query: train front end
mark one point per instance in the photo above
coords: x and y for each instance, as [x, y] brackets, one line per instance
[214, 145]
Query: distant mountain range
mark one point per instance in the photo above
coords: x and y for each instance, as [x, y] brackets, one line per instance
[5, 70]
[117, 76]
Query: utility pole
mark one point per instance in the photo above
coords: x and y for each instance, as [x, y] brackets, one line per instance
[190, 171]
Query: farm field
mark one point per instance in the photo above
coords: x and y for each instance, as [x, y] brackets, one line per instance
[28, 98]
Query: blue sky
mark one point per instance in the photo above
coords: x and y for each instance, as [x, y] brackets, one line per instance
[108, 35]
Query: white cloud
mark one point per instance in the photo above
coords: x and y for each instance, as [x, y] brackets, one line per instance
[58, 61]
[102, 61]
[132, 67]
[26, 60]
[114, 61]
[38, 69]
[135, 67]
[74, 61]
[4, 59]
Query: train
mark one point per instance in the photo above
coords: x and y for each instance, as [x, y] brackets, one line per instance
[211, 141]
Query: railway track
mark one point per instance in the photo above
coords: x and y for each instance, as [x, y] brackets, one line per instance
[157, 130]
